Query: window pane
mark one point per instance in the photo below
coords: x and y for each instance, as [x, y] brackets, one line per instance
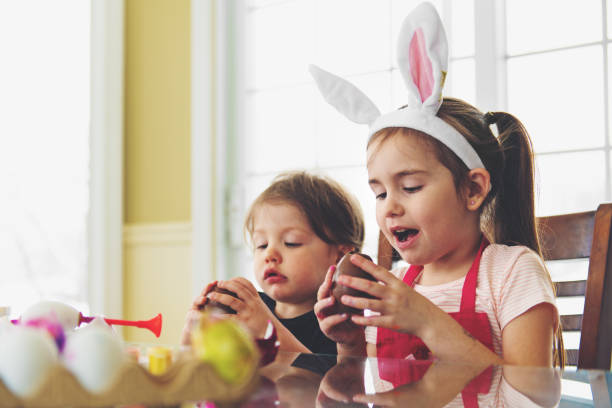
[570, 182]
[353, 35]
[280, 41]
[342, 142]
[559, 113]
[44, 151]
[263, 3]
[568, 270]
[461, 33]
[280, 133]
[544, 24]
[462, 80]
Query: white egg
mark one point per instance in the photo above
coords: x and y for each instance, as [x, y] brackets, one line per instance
[67, 315]
[97, 323]
[26, 356]
[94, 355]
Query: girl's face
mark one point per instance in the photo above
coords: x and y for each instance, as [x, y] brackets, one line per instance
[418, 207]
[290, 259]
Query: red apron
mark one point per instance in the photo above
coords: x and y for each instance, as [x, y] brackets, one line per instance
[392, 347]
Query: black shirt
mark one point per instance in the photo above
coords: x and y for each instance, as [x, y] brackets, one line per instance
[305, 328]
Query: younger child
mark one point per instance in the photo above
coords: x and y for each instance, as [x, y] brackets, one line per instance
[299, 226]
[457, 204]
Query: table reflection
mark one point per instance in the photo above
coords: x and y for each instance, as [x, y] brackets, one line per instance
[305, 380]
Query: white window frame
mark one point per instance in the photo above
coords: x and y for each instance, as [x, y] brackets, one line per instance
[490, 55]
[216, 118]
[105, 222]
[205, 183]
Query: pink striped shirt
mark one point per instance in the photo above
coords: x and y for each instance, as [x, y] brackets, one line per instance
[511, 280]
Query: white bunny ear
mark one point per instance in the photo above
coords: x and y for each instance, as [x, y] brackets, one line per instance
[423, 57]
[345, 97]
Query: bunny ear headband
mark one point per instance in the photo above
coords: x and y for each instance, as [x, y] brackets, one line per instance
[423, 60]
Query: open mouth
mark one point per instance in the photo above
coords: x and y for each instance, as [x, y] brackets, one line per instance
[404, 234]
[271, 274]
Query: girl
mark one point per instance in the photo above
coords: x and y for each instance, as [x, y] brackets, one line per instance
[457, 204]
[298, 226]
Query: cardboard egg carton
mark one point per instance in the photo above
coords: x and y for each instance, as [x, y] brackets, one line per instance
[187, 380]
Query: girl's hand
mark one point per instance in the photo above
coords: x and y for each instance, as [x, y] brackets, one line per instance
[330, 323]
[194, 314]
[250, 309]
[399, 306]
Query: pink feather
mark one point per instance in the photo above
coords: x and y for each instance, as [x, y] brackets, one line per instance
[420, 65]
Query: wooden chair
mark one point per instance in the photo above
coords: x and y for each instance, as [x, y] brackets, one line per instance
[573, 236]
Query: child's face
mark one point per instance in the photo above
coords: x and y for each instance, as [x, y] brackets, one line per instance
[417, 205]
[290, 259]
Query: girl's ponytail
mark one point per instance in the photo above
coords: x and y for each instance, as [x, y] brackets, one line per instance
[508, 215]
[513, 207]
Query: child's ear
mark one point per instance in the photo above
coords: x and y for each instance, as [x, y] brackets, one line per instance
[479, 185]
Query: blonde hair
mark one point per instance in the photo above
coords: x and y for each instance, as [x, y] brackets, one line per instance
[333, 214]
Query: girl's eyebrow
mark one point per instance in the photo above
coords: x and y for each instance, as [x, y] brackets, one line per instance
[399, 175]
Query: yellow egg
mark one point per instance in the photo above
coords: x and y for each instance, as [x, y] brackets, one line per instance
[227, 347]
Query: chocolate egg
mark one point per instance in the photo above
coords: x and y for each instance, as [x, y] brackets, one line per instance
[345, 267]
[213, 306]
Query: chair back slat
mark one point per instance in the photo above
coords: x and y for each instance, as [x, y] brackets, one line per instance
[571, 322]
[567, 236]
[571, 357]
[571, 288]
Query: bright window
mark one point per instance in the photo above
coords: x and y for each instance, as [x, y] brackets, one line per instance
[44, 151]
[557, 87]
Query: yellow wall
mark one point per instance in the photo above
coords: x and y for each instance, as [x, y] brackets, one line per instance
[157, 236]
[157, 111]
[157, 278]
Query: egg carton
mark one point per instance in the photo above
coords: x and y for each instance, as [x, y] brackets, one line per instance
[187, 380]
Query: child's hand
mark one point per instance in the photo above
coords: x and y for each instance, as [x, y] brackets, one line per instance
[194, 314]
[399, 306]
[200, 300]
[250, 309]
[330, 324]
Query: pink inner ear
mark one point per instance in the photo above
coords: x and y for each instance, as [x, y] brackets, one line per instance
[420, 65]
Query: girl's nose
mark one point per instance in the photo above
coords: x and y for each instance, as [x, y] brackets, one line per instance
[392, 207]
[273, 255]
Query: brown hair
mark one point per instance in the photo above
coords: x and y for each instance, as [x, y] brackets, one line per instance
[508, 212]
[333, 214]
